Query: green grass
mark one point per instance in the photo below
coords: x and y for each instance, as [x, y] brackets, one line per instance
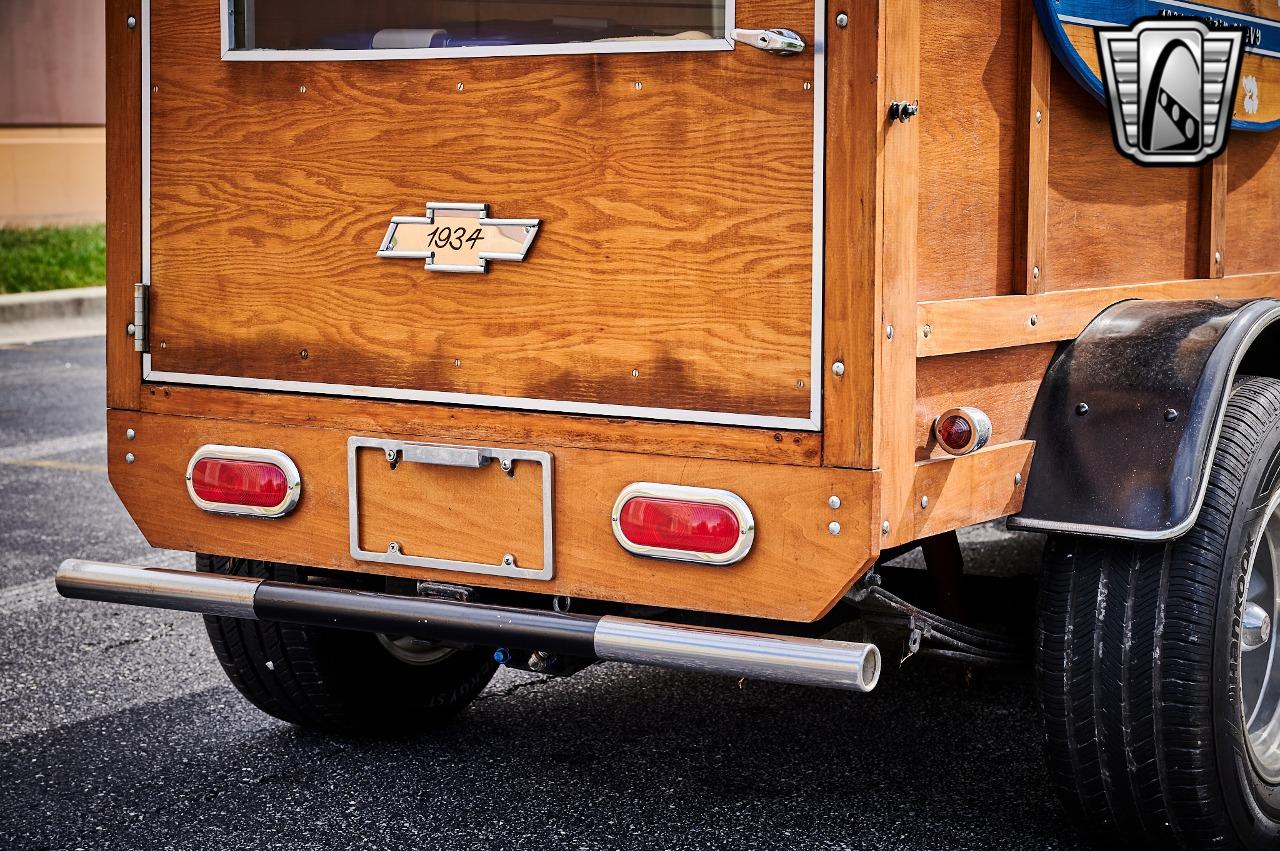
[52, 258]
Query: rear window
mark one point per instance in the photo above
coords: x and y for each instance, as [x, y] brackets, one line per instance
[477, 27]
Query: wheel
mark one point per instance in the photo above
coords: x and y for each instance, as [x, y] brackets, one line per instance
[1158, 672]
[338, 680]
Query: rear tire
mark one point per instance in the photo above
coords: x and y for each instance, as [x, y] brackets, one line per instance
[1140, 661]
[338, 680]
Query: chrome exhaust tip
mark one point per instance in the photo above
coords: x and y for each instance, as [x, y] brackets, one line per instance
[853, 666]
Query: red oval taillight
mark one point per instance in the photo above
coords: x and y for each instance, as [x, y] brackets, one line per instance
[240, 480]
[695, 527]
[683, 523]
[962, 430]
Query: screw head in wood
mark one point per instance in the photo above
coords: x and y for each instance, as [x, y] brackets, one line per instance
[1217, 257]
[924, 502]
[1039, 116]
[1017, 479]
[130, 434]
[1033, 320]
[888, 332]
[1035, 272]
[131, 22]
[884, 528]
[129, 458]
[833, 527]
[1082, 409]
[842, 20]
[130, 329]
[837, 368]
[834, 501]
[926, 331]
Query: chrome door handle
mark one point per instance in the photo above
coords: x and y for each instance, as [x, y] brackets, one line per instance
[779, 41]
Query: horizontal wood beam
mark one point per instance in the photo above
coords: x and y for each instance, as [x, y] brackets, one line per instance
[997, 322]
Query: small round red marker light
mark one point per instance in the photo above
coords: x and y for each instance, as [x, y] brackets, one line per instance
[960, 431]
[244, 481]
[702, 525]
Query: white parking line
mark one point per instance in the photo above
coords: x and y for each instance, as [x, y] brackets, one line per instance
[53, 446]
[29, 596]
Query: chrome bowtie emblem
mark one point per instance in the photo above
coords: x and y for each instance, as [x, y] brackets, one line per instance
[458, 238]
[1171, 85]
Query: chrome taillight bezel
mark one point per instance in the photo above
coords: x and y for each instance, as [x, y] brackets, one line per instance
[685, 493]
[293, 480]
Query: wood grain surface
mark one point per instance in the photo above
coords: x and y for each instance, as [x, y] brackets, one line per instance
[796, 569]
[968, 146]
[487, 425]
[124, 201]
[1253, 203]
[673, 268]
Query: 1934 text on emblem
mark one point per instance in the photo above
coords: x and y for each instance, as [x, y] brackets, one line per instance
[458, 238]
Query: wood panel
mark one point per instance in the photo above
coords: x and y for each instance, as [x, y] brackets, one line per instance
[488, 426]
[1253, 203]
[1002, 383]
[663, 275]
[896, 369]
[851, 328]
[950, 493]
[796, 570]
[1111, 221]
[969, 127]
[124, 199]
[974, 324]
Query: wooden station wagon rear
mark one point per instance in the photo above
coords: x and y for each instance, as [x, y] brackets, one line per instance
[536, 333]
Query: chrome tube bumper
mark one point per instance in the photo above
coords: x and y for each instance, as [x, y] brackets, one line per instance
[805, 661]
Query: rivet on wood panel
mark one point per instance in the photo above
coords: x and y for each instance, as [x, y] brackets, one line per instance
[833, 527]
[1217, 257]
[833, 501]
[1017, 480]
[302, 89]
[132, 22]
[800, 384]
[888, 332]
[808, 87]
[639, 85]
[1039, 117]
[837, 369]
[130, 329]
[130, 434]
[1033, 320]
[884, 528]
[1035, 272]
[457, 361]
[924, 502]
[129, 458]
[155, 89]
[842, 20]
[461, 86]
[926, 331]
[304, 354]
[635, 373]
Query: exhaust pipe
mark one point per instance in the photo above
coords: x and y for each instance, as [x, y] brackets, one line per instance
[803, 661]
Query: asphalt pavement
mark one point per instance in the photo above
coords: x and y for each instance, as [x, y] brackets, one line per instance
[118, 730]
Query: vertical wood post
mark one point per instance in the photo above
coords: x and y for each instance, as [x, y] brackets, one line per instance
[1032, 213]
[1213, 218]
[896, 372]
[124, 197]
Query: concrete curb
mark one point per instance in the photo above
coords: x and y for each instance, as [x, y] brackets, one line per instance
[53, 315]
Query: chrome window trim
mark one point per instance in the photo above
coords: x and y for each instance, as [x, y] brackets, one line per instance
[248, 453]
[230, 53]
[813, 422]
[546, 572]
[688, 493]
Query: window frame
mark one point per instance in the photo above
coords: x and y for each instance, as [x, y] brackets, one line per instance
[231, 53]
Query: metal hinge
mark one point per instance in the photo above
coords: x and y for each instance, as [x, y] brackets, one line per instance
[141, 293]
